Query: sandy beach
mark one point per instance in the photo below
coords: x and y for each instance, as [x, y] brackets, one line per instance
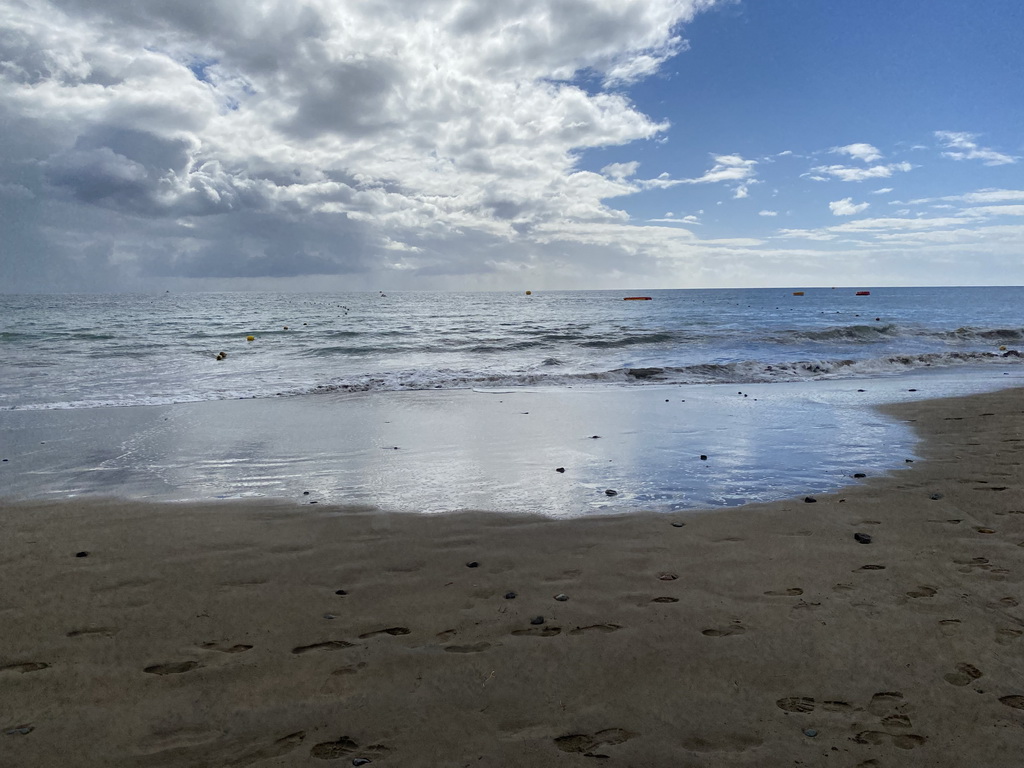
[879, 626]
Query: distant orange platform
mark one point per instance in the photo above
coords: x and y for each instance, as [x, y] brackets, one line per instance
[636, 298]
[863, 293]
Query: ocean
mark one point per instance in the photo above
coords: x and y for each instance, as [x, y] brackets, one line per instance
[127, 387]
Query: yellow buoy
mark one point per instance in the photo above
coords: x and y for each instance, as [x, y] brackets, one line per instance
[529, 293]
[1003, 348]
[250, 338]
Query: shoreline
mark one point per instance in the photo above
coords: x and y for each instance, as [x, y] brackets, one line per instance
[210, 634]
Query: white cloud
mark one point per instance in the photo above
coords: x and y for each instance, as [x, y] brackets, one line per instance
[844, 173]
[726, 168]
[846, 207]
[864, 152]
[962, 146]
[620, 171]
[767, 213]
[301, 138]
[882, 191]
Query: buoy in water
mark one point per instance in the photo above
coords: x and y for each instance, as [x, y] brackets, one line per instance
[798, 293]
[636, 298]
[285, 327]
[529, 293]
[863, 293]
[250, 338]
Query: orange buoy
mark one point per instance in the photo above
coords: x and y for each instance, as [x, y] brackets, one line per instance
[250, 338]
[798, 293]
[636, 298]
[863, 293]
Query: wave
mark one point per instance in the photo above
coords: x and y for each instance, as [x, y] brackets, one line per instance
[548, 375]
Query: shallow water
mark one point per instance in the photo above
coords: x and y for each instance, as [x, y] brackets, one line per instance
[437, 451]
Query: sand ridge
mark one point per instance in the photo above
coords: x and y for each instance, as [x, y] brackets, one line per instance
[260, 634]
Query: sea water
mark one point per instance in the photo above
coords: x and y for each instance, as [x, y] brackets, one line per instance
[480, 396]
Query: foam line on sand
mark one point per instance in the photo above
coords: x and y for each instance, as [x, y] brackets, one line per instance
[879, 626]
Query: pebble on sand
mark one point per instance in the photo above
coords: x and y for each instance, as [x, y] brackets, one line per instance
[537, 620]
[510, 595]
[703, 457]
[810, 499]
[81, 554]
[560, 597]
[473, 564]
[559, 469]
[863, 538]
[341, 592]
[677, 524]
[859, 474]
[810, 732]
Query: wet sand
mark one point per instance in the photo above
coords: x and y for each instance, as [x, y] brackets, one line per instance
[238, 634]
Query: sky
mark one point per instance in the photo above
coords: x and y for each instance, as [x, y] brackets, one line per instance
[314, 145]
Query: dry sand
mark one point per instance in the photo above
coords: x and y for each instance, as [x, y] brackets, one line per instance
[214, 634]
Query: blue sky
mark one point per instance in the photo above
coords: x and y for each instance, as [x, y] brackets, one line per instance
[462, 144]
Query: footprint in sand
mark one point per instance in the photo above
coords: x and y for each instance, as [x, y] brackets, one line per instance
[537, 632]
[730, 629]
[923, 591]
[93, 631]
[791, 592]
[665, 600]
[1010, 601]
[896, 721]
[25, 666]
[886, 702]
[595, 628]
[1015, 701]
[225, 648]
[1006, 635]
[586, 743]
[343, 747]
[282, 746]
[330, 645]
[172, 668]
[801, 704]
[388, 631]
[965, 674]
[901, 741]
[474, 648]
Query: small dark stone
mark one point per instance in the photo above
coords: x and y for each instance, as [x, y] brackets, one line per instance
[911, 390]
[935, 496]
[314, 502]
[810, 732]
[81, 554]
[473, 564]
[859, 474]
[909, 461]
[21, 730]
[510, 595]
[341, 592]
[559, 469]
[561, 597]
[810, 499]
[610, 492]
[677, 524]
[595, 437]
[863, 538]
[360, 761]
[860, 390]
[703, 457]
[305, 493]
[537, 620]
[5, 459]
